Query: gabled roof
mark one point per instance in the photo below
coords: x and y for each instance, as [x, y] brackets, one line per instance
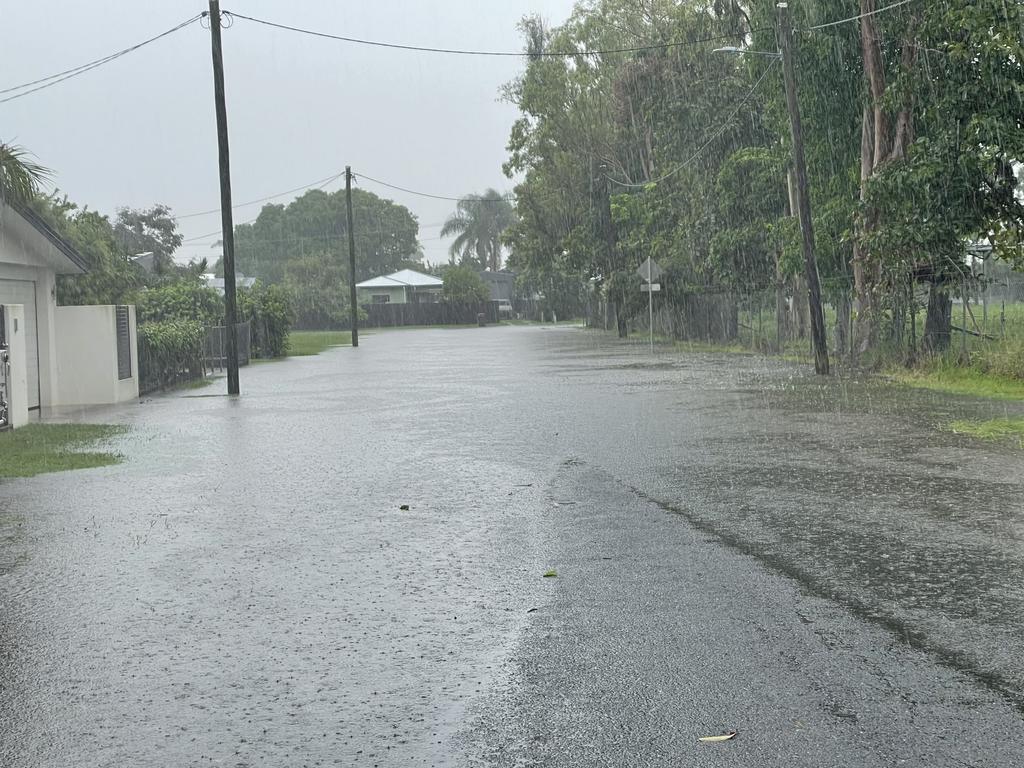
[78, 262]
[403, 278]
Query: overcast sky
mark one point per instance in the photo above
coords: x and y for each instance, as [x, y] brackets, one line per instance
[141, 129]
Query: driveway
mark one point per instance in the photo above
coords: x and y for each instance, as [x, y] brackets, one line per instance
[738, 546]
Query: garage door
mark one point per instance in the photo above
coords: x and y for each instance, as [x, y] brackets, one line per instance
[24, 292]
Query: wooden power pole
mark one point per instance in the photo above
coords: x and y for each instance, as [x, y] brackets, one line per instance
[354, 307]
[818, 341]
[227, 224]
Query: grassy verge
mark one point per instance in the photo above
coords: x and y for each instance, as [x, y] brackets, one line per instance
[38, 448]
[962, 381]
[992, 429]
[314, 342]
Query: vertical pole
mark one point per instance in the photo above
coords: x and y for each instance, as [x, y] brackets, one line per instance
[650, 307]
[963, 313]
[818, 341]
[227, 225]
[354, 307]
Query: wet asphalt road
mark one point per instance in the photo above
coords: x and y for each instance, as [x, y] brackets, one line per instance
[738, 547]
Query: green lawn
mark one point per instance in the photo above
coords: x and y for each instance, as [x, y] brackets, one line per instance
[962, 381]
[992, 429]
[38, 448]
[314, 342]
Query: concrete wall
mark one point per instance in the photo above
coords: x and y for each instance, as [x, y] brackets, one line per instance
[87, 356]
[17, 381]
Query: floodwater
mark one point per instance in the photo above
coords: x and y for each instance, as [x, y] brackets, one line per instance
[738, 546]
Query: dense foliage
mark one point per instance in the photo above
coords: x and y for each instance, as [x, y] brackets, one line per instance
[270, 313]
[315, 224]
[681, 152]
[170, 352]
[462, 285]
[180, 300]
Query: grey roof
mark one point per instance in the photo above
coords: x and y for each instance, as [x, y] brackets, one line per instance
[56, 240]
[405, 277]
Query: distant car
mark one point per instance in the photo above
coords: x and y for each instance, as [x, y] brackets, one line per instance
[504, 308]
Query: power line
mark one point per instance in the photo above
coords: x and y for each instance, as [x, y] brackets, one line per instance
[67, 74]
[706, 144]
[503, 198]
[320, 183]
[860, 16]
[470, 52]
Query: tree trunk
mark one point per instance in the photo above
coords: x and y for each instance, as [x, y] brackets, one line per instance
[843, 308]
[780, 305]
[620, 321]
[883, 141]
[938, 323]
[800, 311]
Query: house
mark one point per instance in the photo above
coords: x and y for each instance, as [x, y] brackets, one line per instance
[406, 286]
[56, 356]
[217, 283]
[502, 284]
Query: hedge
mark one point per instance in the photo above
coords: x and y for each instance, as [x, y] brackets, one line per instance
[170, 352]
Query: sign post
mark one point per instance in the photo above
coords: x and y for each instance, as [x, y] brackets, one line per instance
[650, 271]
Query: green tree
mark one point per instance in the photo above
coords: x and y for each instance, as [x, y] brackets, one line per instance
[479, 222]
[386, 235]
[319, 288]
[463, 285]
[152, 230]
[20, 177]
[111, 278]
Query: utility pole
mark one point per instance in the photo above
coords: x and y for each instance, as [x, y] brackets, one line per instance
[351, 258]
[227, 224]
[818, 341]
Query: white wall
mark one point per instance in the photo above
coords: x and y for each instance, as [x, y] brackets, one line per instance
[86, 356]
[17, 383]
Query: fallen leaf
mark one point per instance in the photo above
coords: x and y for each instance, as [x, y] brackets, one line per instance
[404, 507]
[723, 737]
[532, 610]
[551, 574]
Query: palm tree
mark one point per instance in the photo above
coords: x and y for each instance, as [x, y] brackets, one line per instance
[20, 177]
[478, 223]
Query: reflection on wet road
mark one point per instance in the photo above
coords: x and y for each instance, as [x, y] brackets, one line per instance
[738, 546]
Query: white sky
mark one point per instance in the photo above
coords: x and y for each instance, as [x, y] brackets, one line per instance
[141, 130]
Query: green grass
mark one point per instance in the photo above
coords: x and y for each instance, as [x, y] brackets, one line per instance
[992, 429]
[962, 381]
[314, 342]
[38, 448]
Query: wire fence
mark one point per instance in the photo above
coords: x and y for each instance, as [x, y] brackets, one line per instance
[978, 314]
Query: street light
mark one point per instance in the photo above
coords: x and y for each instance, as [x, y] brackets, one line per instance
[818, 341]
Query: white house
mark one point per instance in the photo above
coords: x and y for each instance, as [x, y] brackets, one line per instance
[58, 356]
[407, 286]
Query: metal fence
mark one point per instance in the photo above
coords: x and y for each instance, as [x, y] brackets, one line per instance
[215, 346]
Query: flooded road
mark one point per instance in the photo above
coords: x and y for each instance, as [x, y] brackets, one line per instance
[737, 545]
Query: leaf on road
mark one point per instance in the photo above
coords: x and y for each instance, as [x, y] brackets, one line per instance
[532, 610]
[551, 574]
[723, 737]
[404, 507]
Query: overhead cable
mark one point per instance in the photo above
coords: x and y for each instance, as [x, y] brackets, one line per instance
[503, 198]
[706, 144]
[859, 16]
[67, 74]
[319, 183]
[471, 52]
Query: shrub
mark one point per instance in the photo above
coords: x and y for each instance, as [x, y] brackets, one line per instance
[170, 352]
[269, 310]
[462, 285]
[180, 301]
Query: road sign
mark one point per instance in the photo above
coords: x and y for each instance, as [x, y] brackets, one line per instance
[650, 287]
[650, 271]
